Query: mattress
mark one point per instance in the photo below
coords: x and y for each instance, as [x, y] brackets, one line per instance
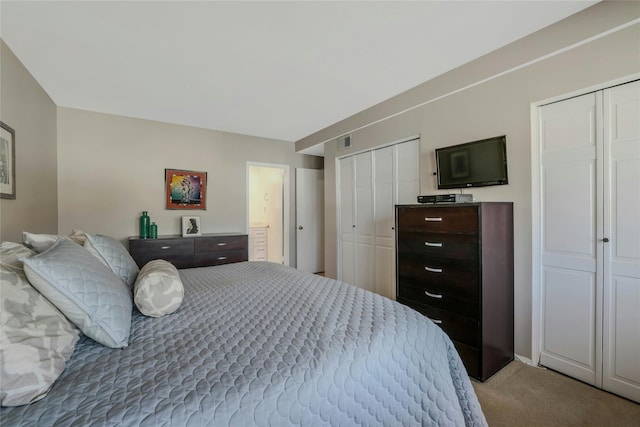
[257, 343]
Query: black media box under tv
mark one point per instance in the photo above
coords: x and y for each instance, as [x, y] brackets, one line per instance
[446, 198]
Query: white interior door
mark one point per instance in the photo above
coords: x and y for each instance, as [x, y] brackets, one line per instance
[364, 224]
[347, 221]
[590, 240]
[310, 220]
[396, 181]
[385, 197]
[621, 344]
[570, 284]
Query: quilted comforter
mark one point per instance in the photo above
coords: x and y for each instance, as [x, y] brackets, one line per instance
[262, 344]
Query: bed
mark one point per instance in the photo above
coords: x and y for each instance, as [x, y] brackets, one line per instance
[257, 343]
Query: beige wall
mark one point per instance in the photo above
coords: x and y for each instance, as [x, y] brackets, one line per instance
[111, 168]
[501, 105]
[26, 108]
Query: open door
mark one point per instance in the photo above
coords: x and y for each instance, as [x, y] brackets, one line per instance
[267, 212]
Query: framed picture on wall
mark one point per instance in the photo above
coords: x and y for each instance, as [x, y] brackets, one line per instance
[185, 189]
[7, 162]
[191, 226]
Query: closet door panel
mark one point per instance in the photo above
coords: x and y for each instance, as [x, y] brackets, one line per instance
[621, 263]
[569, 344]
[347, 222]
[384, 197]
[365, 226]
[570, 298]
[569, 190]
[384, 181]
[623, 373]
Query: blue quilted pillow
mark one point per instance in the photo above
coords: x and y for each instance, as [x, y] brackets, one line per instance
[114, 255]
[85, 290]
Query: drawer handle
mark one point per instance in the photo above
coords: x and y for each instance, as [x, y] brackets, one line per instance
[433, 219]
[436, 321]
[433, 244]
[222, 258]
[429, 294]
[433, 270]
[222, 244]
[165, 247]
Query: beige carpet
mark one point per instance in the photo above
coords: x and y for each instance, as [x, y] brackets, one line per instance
[523, 395]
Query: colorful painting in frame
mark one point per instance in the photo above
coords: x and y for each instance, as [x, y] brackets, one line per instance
[185, 189]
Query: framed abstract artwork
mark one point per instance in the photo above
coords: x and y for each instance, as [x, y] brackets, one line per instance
[7, 162]
[185, 189]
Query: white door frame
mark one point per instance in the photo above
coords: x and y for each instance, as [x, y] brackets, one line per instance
[286, 203]
[536, 213]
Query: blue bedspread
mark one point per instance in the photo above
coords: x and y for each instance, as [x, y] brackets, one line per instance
[263, 344]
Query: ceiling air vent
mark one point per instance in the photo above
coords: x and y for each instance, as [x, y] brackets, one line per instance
[344, 142]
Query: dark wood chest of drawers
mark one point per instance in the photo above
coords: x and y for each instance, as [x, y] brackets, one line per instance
[455, 265]
[187, 252]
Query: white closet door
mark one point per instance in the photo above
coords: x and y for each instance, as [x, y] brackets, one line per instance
[364, 224]
[384, 182]
[570, 143]
[621, 346]
[371, 184]
[347, 221]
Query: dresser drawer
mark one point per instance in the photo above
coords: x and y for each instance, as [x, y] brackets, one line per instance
[173, 250]
[470, 358]
[458, 328]
[462, 277]
[439, 246]
[219, 257]
[219, 243]
[458, 219]
[442, 297]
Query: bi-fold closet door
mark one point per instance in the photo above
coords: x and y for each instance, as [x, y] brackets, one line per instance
[370, 184]
[590, 238]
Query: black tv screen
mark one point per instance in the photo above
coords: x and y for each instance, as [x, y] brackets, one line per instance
[474, 164]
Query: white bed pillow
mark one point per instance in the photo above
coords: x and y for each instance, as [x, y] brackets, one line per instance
[36, 340]
[114, 255]
[42, 242]
[158, 289]
[85, 290]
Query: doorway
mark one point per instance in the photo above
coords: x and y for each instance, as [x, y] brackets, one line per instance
[268, 212]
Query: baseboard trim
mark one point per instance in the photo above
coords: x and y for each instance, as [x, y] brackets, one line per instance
[524, 360]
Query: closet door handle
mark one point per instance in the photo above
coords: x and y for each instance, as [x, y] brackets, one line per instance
[433, 270]
[429, 294]
[433, 244]
[433, 219]
[606, 240]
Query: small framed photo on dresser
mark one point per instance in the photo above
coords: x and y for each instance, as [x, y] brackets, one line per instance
[191, 226]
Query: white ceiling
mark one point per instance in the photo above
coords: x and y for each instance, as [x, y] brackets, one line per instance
[280, 70]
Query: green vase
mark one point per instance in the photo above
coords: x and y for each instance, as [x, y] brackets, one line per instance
[144, 225]
[153, 231]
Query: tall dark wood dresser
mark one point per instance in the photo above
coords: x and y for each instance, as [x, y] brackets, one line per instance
[454, 264]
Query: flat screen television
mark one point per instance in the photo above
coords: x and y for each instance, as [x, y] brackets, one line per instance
[473, 164]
